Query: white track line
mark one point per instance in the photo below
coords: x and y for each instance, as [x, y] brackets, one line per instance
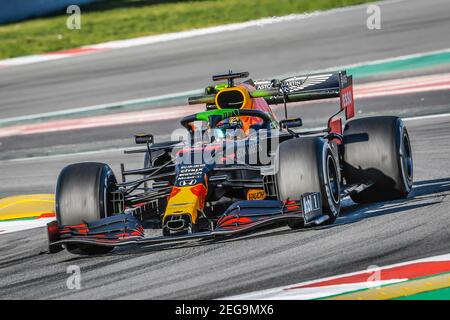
[20, 225]
[179, 35]
[180, 95]
[230, 27]
[112, 150]
[371, 90]
[431, 116]
[375, 62]
[125, 103]
[164, 38]
[310, 293]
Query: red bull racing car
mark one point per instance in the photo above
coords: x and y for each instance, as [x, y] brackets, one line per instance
[236, 169]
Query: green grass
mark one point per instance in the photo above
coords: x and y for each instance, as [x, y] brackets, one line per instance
[123, 19]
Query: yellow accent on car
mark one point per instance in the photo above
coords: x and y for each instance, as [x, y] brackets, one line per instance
[185, 202]
[246, 103]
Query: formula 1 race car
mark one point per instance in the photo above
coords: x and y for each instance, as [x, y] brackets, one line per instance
[237, 169]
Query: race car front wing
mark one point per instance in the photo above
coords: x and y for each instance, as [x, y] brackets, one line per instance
[240, 218]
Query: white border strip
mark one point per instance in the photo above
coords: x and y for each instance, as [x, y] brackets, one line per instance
[375, 62]
[415, 118]
[180, 95]
[24, 224]
[119, 44]
[124, 104]
[431, 116]
[370, 90]
[276, 292]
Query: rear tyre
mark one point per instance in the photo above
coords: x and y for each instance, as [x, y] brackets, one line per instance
[309, 165]
[378, 150]
[83, 194]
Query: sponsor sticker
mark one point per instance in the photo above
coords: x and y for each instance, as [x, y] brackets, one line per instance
[311, 202]
[256, 194]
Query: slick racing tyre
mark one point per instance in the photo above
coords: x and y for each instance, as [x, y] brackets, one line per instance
[83, 194]
[308, 165]
[378, 151]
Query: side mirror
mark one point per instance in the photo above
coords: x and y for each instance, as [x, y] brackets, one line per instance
[291, 123]
[143, 139]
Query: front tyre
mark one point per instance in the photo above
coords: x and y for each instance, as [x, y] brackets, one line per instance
[309, 165]
[83, 195]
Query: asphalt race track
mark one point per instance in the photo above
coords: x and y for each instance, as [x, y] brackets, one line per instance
[378, 234]
[324, 41]
[363, 236]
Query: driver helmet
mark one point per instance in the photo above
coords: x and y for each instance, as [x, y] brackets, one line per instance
[232, 128]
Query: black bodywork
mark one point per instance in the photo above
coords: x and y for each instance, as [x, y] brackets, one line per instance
[140, 202]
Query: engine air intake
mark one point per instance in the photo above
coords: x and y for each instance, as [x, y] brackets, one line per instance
[232, 98]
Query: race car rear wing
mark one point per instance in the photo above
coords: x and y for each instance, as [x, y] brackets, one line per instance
[297, 89]
[310, 87]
